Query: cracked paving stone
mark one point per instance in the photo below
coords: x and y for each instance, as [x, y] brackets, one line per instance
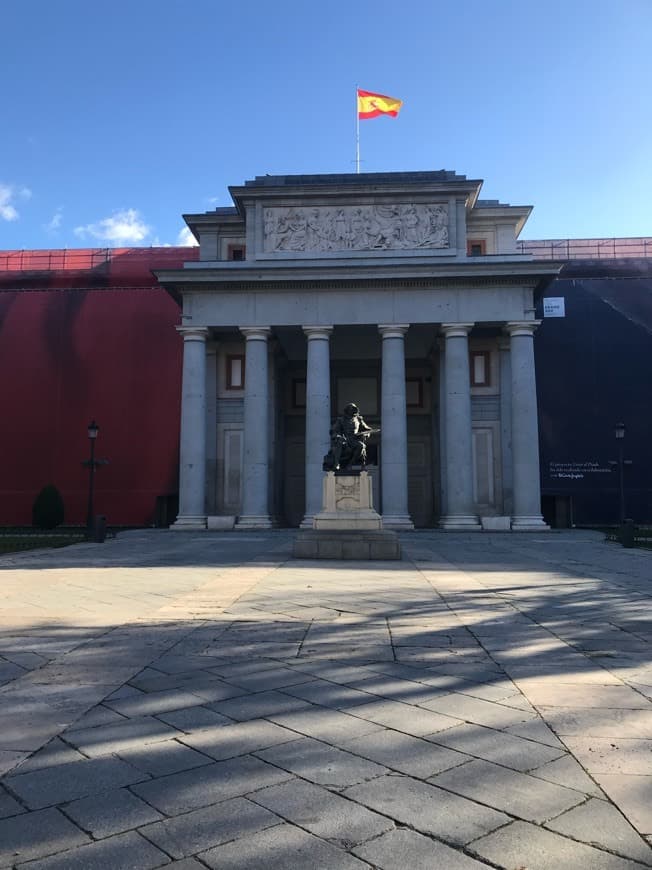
[525, 845]
[519, 794]
[65, 782]
[428, 809]
[210, 784]
[284, 847]
[321, 763]
[123, 852]
[202, 829]
[404, 848]
[412, 755]
[112, 812]
[127, 734]
[33, 835]
[598, 823]
[323, 813]
[228, 741]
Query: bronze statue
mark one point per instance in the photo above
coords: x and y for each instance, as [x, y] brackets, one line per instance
[349, 435]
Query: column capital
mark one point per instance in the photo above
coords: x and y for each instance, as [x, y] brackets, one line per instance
[193, 333]
[256, 333]
[521, 327]
[323, 332]
[393, 330]
[456, 330]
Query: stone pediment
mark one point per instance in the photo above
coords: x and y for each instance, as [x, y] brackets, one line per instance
[390, 227]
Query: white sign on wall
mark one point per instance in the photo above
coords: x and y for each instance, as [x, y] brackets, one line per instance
[554, 306]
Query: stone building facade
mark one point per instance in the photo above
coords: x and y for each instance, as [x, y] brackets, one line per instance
[402, 292]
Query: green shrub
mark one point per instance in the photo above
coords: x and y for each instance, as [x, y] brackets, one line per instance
[48, 510]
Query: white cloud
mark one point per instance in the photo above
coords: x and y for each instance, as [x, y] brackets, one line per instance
[124, 227]
[8, 193]
[53, 225]
[186, 238]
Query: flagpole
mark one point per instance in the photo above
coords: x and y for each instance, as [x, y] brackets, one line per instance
[357, 133]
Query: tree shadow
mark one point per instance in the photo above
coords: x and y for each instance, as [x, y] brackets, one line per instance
[327, 653]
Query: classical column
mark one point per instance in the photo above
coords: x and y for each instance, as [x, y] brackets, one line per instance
[459, 448]
[192, 453]
[525, 428]
[506, 426]
[393, 430]
[318, 416]
[211, 428]
[255, 473]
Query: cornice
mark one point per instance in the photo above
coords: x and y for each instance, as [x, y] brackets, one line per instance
[250, 275]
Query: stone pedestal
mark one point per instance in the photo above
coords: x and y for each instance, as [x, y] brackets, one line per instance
[347, 503]
[347, 527]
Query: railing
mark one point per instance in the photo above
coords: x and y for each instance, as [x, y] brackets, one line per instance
[587, 249]
[54, 260]
[85, 259]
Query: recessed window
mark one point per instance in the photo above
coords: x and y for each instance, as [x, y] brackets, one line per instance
[236, 252]
[298, 393]
[480, 368]
[414, 392]
[476, 247]
[235, 372]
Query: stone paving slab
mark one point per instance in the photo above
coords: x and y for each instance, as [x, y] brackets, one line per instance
[111, 812]
[284, 847]
[319, 811]
[522, 845]
[405, 754]
[29, 836]
[200, 830]
[192, 789]
[508, 750]
[405, 848]
[599, 823]
[206, 701]
[428, 809]
[320, 763]
[117, 737]
[509, 790]
[65, 782]
[124, 852]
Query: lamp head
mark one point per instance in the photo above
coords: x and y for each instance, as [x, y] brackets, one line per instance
[93, 429]
[619, 430]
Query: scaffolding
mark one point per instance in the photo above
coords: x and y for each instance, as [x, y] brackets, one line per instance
[587, 249]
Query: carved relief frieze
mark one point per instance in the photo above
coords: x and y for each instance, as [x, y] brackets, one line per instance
[400, 226]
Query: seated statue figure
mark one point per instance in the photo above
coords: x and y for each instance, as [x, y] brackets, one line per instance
[349, 435]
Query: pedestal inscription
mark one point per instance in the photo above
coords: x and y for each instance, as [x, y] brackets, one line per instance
[348, 503]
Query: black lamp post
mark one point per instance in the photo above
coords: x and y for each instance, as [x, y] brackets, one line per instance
[93, 429]
[621, 462]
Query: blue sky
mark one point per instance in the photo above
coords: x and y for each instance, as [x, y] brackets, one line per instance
[119, 117]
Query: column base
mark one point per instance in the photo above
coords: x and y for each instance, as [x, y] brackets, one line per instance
[189, 524]
[397, 522]
[253, 521]
[460, 523]
[529, 524]
[306, 522]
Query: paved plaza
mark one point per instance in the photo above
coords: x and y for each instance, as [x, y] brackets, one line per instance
[204, 700]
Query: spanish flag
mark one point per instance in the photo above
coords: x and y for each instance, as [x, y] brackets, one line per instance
[371, 105]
